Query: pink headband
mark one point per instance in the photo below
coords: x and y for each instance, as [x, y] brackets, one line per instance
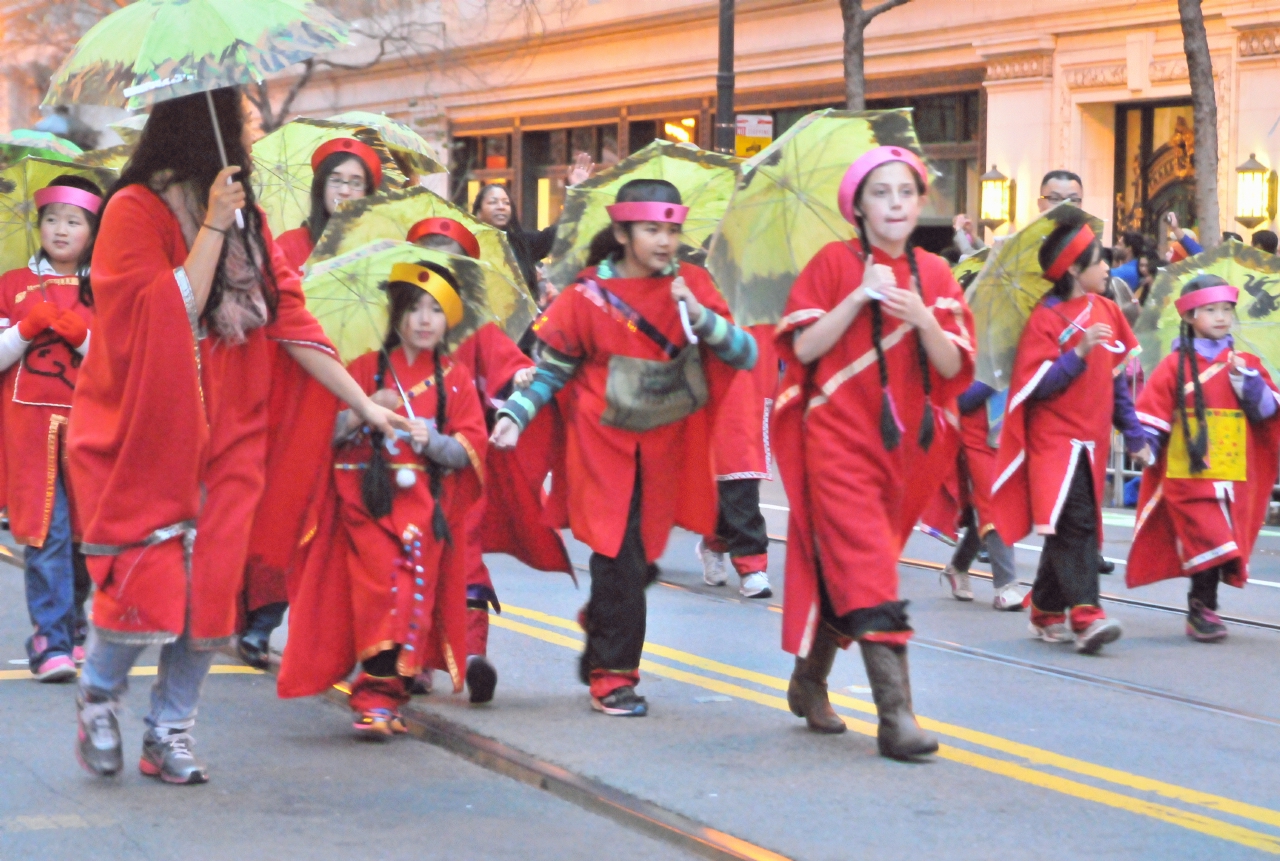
[868, 162]
[647, 210]
[86, 200]
[1207, 296]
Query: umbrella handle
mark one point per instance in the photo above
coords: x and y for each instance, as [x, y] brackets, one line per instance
[222, 148]
[1116, 348]
[684, 322]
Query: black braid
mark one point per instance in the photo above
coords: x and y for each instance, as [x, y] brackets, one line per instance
[435, 474]
[375, 489]
[890, 434]
[1196, 448]
[922, 358]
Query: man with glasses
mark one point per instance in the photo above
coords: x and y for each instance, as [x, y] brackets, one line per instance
[1060, 186]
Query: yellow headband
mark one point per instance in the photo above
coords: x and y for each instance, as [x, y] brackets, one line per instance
[435, 286]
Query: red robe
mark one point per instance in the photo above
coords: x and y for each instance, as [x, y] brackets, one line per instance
[36, 402]
[854, 504]
[594, 465]
[1041, 440]
[360, 591]
[1188, 525]
[168, 431]
[296, 245]
[741, 434]
[968, 483]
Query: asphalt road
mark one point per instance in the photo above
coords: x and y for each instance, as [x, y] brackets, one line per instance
[1158, 748]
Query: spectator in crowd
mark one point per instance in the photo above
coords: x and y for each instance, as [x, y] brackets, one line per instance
[1264, 240]
[1060, 186]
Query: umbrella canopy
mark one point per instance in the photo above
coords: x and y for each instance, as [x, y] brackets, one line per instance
[113, 158]
[282, 172]
[967, 270]
[399, 138]
[705, 180]
[1255, 272]
[20, 143]
[348, 296]
[784, 208]
[154, 50]
[19, 233]
[1007, 290]
[130, 128]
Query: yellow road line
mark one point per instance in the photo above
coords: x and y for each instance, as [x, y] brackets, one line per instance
[1174, 816]
[215, 670]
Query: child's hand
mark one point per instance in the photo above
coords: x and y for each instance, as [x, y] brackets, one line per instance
[524, 377]
[506, 434]
[386, 398]
[71, 327]
[1093, 336]
[877, 278]
[1238, 364]
[681, 293]
[906, 305]
[419, 433]
[40, 318]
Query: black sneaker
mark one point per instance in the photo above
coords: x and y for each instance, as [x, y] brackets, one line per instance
[1106, 566]
[254, 649]
[482, 678]
[623, 702]
[1203, 624]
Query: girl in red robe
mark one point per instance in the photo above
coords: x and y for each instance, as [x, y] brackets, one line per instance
[507, 518]
[167, 434]
[632, 385]
[44, 335]
[1204, 500]
[384, 581]
[878, 343]
[1068, 390]
[344, 169]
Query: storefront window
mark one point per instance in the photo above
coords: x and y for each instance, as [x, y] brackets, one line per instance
[1154, 171]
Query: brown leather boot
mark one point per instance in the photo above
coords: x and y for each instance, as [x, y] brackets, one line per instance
[899, 737]
[807, 693]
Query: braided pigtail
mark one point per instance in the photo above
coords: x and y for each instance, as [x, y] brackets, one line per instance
[1199, 447]
[890, 430]
[435, 473]
[922, 358]
[375, 488]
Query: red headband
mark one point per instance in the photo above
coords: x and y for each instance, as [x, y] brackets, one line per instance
[86, 200]
[648, 210]
[1207, 296]
[360, 150]
[1069, 255]
[449, 228]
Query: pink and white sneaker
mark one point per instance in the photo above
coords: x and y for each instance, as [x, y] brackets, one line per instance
[77, 655]
[57, 668]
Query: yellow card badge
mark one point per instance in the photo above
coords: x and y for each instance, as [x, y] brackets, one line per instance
[1228, 448]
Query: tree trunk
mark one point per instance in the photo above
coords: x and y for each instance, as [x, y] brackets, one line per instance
[856, 20]
[1200, 70]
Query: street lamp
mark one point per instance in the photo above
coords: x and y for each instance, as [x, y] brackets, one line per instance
[995, 197]
[1255, 193]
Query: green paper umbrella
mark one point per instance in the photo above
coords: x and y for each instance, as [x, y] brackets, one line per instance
[403, 141]
[348, 297]
[1255, 272]
[20, 143]
[967, 269]
[705, 180]
[113, 158]
[784, 209]
[19, 233]
[130, 128]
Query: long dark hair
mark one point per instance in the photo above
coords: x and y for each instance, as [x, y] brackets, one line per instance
[604, 245]
[1071, 220]
[70, 180]
[1197, 447]
[376, 489]
[318, 218]
[890, 434]
[515, 236]
[178, 145]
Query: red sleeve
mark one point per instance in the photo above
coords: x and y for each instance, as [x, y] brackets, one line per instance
[815, 292]
[293, 324]
[1156, 404]
[704, 289]
[464, 417]
[7, 292]
[561, 326]
[497, 359]
[296, 245]
[363, 370]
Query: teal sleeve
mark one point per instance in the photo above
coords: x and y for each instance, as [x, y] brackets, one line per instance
[731, 344]
[553, 371]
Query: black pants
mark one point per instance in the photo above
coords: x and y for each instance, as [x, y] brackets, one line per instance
[740, 525]
[616, 610]
[1204, 587]
[887, 618]
[1068, 572]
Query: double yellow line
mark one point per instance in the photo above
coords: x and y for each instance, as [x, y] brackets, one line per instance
[1024, 770]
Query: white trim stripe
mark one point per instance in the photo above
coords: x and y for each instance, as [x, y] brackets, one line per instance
[804, 315]
[857, 366]
[1152, 421]
[1210, 555]
[1025, 391]
[1009, 471]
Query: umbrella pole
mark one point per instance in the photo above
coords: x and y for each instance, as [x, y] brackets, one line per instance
[222, 148]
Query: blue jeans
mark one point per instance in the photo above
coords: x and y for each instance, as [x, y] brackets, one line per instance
[51, 591]
[176, 692]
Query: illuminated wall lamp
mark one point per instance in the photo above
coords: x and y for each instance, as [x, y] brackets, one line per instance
[1255, 193]
[996, 199]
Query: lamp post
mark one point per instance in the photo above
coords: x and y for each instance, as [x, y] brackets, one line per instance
[726, 120]
[995, 199]
[1255, 193]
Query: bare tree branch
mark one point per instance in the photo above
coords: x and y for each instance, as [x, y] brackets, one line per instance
[856, 20]
[1205, 112]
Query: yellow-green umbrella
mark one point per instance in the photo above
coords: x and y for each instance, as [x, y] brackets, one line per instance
[705, 180]
[347, 294]
[403, 141]
[1255, 272]
[19, 233]
[130, 128]
[113, 158]
[1008, 289]
[784, 208]
[282, 172]
[967, 269]
[20, 143]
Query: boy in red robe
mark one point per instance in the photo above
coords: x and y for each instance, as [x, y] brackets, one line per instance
[1205, 499]
[1068, 390]
[878, 342]
[632, 385]
[44, 334]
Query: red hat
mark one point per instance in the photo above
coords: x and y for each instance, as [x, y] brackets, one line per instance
[449, 228]
[360, 150]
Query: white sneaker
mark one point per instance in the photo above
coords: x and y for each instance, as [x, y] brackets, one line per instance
[1058, 632]
[1100, 632]
[756, 586]
[1009, 598]
[959, 583]
[713, 567]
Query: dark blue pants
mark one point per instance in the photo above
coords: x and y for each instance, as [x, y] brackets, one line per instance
[51, 587]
